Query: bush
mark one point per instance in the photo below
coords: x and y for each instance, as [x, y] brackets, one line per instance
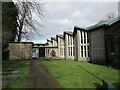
[53, 53]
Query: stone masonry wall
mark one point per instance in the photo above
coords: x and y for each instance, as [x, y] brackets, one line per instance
[20, 51]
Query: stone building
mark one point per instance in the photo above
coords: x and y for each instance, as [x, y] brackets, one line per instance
[105, 42]
[54, 41]
[61, 47]
[69, 45]
[101, 42]
[48, 50]
[98, 44]
[38, 50]
[51, 46]
[81, 44]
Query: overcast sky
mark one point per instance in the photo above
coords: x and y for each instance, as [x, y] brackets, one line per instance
[63, 16]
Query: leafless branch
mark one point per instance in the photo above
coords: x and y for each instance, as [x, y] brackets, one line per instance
[25, 16]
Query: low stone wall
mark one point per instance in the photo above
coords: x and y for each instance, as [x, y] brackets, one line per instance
[20, 51]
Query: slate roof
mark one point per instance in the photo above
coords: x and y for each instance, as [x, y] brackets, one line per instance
[54, 38]
[106, 23]
[48, 40]
[68, 32]
[61, 36]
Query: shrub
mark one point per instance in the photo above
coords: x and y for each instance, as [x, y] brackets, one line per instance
[53, 53]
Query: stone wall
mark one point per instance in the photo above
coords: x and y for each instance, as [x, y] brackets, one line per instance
[97, 44]
[112, 44]
[20, 50]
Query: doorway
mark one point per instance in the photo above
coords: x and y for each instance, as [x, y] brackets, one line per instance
[42, 52]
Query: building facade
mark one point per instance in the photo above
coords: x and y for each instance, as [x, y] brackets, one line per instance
[98, 44]
[38, 50]
[47, 49]
[51, 47]
[54, 41]
[105, 42]
[69, 45]
[81, 44]
[61, 47]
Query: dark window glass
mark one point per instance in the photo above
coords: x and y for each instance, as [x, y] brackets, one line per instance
[68, 40]
[87, 40]
[87, 37]
[81, 51]
[84, 37]
[88, 48]
[84, 40]
[71, 51]
[81, 37]
[88, 52]
[85, 50]
[82, 48]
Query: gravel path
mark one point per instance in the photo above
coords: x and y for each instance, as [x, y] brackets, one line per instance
[39, 77]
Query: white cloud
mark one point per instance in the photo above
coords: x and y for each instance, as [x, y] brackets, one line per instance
[76, 13]
[65, 21]
[63, 16]
[56, 7]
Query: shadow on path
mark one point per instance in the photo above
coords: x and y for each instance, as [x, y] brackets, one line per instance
[39, 77]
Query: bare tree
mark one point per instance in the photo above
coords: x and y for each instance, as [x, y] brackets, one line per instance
[25, 18]
[108, 17]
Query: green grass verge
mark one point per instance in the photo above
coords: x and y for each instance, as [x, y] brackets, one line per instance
[80, 74]
[20, 81]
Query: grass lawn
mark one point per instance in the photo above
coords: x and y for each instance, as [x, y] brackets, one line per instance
[80, 74]
[20, 80]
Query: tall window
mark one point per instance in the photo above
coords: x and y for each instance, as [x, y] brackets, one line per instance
[85, 50]
[60, 42]
[68, 40]
[73, 41]
[87, 37]
[88, 51]
[73, 51]
[69, 51]
[84, 37]
[60, 51]
[81, 51]
[63, 50]
[48, 51]
[81, 37]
